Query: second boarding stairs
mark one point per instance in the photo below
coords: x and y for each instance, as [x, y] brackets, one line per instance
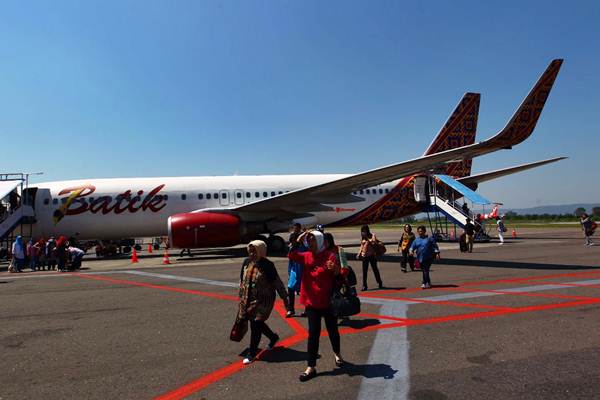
[440, 194]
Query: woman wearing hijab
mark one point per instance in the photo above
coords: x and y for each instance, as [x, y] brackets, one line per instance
[258, 283]
[318, 278]
[18, 253]
[406, 240]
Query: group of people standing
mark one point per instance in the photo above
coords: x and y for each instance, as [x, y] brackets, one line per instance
[315, 269]
[40, 255]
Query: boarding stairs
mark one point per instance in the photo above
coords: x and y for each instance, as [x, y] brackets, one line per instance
[22, 215]
[438, 195]
[449, 208]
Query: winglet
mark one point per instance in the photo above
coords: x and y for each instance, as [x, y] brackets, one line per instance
[523, 122]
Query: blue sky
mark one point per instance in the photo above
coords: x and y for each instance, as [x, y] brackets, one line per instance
[156, 88]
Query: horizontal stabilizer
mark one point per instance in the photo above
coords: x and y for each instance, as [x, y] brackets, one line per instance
[473, 180]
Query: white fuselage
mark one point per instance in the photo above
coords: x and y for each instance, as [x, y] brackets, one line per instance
[139, 207]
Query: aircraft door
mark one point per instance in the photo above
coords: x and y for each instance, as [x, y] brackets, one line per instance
[29, 195]
[238, 196]
[420, 188]
[224, 198]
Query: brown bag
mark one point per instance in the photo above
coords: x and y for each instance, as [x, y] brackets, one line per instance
[379, 248]
[239, 329]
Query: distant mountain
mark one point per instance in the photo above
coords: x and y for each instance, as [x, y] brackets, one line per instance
[562, 209]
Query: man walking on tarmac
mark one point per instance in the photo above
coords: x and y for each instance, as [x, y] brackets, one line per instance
[426, 249]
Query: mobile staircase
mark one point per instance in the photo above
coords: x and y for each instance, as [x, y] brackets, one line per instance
[439, 195]
[17, 213]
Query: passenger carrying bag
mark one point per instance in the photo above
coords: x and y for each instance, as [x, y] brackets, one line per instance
[344, 302]
[239, 329]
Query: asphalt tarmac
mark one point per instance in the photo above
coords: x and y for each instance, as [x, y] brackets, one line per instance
[504, 322]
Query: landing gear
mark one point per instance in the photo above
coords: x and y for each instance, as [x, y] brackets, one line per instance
[276, 245]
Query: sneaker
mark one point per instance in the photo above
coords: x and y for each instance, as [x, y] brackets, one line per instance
[427, 286]
[290, 314]
[500, 244]
[423, 286]
[248, 360]
[273, 342]
[364, 288]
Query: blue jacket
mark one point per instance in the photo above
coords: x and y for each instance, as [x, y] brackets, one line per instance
[425, 248]
[295, 272]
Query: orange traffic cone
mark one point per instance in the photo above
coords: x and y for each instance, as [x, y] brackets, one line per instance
[149, 248]
[134, 257]
[514, 233]
[166, 258]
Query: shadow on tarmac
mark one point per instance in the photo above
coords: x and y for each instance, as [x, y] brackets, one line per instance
[359, 323]
[350, 369]
[365, 370]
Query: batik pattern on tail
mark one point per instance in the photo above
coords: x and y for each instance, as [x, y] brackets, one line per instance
[458, 131]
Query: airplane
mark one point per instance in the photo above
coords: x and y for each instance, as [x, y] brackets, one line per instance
[222, 211]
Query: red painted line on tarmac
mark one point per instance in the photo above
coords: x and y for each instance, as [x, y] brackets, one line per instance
[490, 282]
[159, 287]
[525, 294]
[572, 285]
[516, 310]
[440, 302]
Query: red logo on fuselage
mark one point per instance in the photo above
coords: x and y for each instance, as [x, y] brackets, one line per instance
[77, 203]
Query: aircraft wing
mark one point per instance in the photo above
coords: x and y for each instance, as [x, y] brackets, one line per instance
[474, 180]
[298, 203]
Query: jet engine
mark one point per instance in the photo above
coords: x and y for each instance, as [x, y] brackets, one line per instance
[204, 229]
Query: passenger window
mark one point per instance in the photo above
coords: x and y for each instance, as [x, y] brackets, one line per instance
[200, 196]
[223, 195]
[46, 202]
[238, 195]
[362, 192]
[256, 194]
[216, 196]
[272, 194]
[208, 196]
[247, 195]
[165, 197]
[387, 190]
[265, 194]
[368, 191]
[280, 192]
[380, 191]
[183, 196]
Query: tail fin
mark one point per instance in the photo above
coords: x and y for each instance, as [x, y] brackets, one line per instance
[458, 131]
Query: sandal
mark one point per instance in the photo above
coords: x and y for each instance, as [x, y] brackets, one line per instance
[306, 377]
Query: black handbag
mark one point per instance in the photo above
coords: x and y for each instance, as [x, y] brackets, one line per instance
[344, 302]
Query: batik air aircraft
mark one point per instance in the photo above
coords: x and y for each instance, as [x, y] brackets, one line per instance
[196, 212]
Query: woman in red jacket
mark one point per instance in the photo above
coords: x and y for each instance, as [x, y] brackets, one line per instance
[320, 269]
